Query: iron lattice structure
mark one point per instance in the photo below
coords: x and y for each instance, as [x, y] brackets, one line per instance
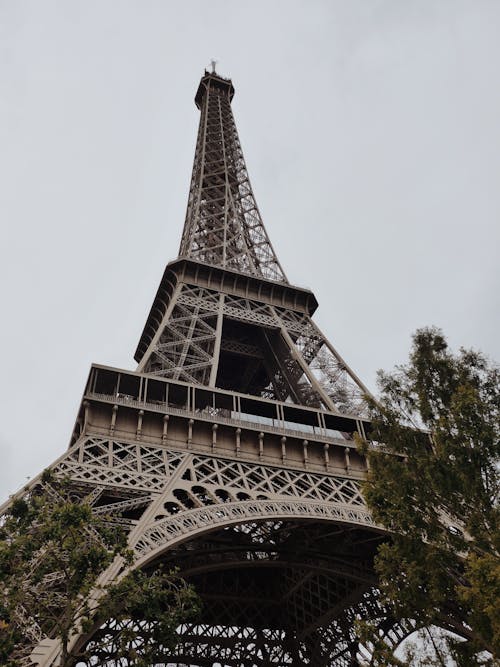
[230, 451]
[223, 225]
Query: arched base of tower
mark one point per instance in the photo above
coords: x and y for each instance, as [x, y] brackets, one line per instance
[275, 593]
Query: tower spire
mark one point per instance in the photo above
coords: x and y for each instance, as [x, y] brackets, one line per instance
[223, 225]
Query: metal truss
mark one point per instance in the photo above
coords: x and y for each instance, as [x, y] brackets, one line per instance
[223, 225]
[185, 348]
[276, 539]
[282, 558]
[301, 365]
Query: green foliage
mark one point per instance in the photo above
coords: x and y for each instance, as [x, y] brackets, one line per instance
[52, 551]
[434, 483]
[146, 609]
[381, 653]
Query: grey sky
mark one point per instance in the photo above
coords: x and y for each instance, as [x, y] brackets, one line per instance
[371, 134]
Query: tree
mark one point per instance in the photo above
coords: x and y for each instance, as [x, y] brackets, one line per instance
[52, 550]
[433, 482]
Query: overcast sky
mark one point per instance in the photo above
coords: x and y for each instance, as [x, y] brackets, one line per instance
[371, 133]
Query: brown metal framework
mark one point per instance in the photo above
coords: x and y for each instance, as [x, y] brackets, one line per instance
[223, 225]
[230, 451]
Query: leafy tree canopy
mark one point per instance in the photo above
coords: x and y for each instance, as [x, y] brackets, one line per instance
[52, 550]
[434, 483]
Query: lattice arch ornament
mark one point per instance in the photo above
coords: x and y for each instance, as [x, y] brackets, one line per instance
[230, 452]
[228, 523]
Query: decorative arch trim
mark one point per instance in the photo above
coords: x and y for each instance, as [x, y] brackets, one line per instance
[166, 533]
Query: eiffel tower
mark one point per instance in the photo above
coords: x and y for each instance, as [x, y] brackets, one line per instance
[230, 451]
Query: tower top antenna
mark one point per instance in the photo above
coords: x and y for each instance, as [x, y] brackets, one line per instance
[213, 63]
